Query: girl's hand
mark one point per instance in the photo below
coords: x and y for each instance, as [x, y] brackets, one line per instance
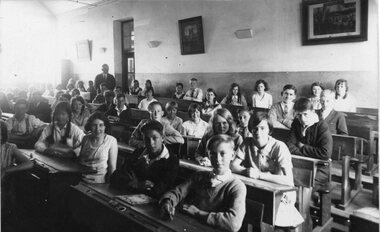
[252, 173]
[190, 209]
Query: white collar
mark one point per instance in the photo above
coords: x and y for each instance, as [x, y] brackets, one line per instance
[164, 155]
[221, 178]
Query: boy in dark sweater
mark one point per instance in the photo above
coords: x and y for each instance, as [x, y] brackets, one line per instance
[151, 170]
[217, 197]
[311, 137]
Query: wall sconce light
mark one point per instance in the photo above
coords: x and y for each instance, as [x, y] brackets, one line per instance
[244, 33]
[154, 43]
[102, 50]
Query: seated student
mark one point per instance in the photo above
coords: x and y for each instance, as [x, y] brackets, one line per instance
[91, 89]
[178, 94]
[80, 86]
[316, 90]
[118, 90]
[266, 158]
[10, 155]
[151, 169]
[57, 97]
[144, 103]
[311, 137]
[344, 101]
[221, 123]
[148, 85]
[100, 98]
[108, 105]
[39, 107]
[75, 93]
[99, 149]
[24, 130]
[282, 113]
[69, 88]
[262, 99]
[171, 109]
[195, 126]
[80, 113]
[171, 136]
[5, 104]
[210, 104]
[61, 137]
[194, 93]
[216, 197]
[49, 91]
[234, 97]
[244, 115]
[135, 89]
[120, 110]
[334, 119]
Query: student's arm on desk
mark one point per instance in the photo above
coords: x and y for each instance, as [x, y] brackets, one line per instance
[136, 139]
[172, 135]
[23, 162]
[112, 159]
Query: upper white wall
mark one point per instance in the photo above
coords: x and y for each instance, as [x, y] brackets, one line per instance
[276, 45]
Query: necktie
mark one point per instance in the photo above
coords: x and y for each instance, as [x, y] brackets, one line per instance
[193, 93]
[286, 109]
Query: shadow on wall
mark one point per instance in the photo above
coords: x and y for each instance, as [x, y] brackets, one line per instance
[362, 84]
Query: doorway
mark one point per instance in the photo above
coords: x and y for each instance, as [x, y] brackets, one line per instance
[128, 54]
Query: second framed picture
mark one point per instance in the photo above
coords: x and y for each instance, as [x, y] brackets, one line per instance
[191, 36]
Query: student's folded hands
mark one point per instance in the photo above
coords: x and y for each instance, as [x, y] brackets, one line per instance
[252, 173]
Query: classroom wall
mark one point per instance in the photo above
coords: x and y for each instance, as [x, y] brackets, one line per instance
[274, 53]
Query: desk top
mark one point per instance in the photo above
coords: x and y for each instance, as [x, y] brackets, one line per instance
[146, 215]
[265, 185]
[55, 164]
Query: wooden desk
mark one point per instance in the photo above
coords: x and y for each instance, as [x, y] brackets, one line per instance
[91, 206]
[304, 172]
[41, 191]
[264, 192]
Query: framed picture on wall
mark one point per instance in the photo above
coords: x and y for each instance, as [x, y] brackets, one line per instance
[338, 21]
[191, 36]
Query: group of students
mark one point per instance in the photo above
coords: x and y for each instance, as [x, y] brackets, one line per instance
[218, 197]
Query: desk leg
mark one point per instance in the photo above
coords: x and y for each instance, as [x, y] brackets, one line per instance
[304, 197]
[358, 176]
[346, 188]
[375, 191]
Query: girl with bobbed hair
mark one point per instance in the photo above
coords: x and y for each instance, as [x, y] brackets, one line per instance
[234, 96]
[316, 90]
[99, 149]
[222, 122]
[261, 98]
[195, 126]
[210, 104]
[61, 137]
[80, 114]
[343, 100]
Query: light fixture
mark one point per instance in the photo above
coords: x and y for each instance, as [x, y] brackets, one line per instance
[244, 33]
[154, 43]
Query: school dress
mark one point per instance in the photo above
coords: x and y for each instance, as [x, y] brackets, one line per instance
[266, 101]
[25, 126]
[176, 123]
[96, 158]
[80, 119]
[194, 129]
[272, 158]
[234, 101]
[347, 104]
[74, 139]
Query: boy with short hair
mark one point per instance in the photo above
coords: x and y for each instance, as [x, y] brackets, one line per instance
[218, 197]
[244, 115]
[310, 137]
[171, 136]
[282, 113]
[194, 93]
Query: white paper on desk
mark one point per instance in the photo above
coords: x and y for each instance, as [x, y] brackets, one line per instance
[135, 199]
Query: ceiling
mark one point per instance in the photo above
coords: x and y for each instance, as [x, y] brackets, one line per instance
[57, 7]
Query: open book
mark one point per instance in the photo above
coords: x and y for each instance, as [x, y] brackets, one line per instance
[135, 199]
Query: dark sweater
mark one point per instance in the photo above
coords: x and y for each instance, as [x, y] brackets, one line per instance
[162, 172]
[336, 122]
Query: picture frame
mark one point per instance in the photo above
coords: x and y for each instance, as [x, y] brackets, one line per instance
[191, 36]
[337, 21]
